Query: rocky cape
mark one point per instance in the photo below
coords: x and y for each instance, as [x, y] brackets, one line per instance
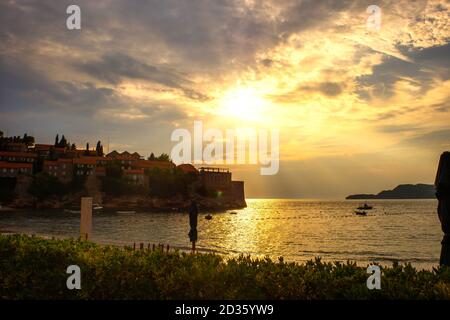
[402, 191]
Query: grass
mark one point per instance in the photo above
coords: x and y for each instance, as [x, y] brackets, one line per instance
[35, 268]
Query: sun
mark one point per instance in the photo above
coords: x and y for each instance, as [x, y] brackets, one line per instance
[243, 103]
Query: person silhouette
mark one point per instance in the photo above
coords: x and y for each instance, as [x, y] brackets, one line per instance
[193, 217]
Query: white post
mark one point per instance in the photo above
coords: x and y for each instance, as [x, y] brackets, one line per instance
[86, 218]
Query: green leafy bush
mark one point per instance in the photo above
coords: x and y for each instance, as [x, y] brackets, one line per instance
[45, 186]
[34, 268]
[168, 183]
[121, 187]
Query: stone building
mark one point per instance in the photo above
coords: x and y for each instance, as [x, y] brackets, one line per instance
[12, 169]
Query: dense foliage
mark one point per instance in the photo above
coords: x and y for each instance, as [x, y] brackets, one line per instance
[45, 186]
[168, 183]
[26, 139]
[34, 268]
[121, 187]
[7, 186]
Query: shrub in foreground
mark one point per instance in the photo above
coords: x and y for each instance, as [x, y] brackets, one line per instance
[35, 268]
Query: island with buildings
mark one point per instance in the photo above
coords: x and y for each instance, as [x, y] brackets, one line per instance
[56, 176]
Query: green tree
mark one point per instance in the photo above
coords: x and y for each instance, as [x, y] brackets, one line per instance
[63, 142]
[57, 140]
[114, 170]
[86, 152]
[28, 140]
[152, 157]
[44, 186]
[99, 149]
[163, 157]
[168, 183]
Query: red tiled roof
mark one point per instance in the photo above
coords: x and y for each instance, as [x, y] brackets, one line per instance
[42, 145]
[112, 154]
[18, 154]
[149, 164]
[187, 168]
[12, 165]
[82, 151]
[57, 162]
[98, 158]
[124, 155]
[133, 171]
[84, 160]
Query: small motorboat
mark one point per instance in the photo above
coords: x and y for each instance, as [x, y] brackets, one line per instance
[72, 211]
[365, 207]
[208, 217]
[360, 213]
[233, 212]
[96, 206]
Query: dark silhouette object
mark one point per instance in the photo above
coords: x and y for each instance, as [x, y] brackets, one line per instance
[402, 191]
[442, 184]
[193, 215]
[99, 149]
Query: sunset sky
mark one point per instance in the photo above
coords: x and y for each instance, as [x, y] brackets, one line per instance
[359, 110]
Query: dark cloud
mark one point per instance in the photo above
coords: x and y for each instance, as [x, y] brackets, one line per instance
[267, 62]
[166, 112]
[426, 65]
[441, 107]
[23, 88]
[391, 114]
[115, 67]
[303, 15]
[327, 88]
[398, 128]
[197, 35]
[434, 140]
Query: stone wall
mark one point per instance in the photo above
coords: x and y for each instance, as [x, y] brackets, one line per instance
[238, 194]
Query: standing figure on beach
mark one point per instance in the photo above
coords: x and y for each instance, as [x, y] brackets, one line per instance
[193, 215]
[442, 184]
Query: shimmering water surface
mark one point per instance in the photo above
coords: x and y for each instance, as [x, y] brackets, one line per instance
[298, 230]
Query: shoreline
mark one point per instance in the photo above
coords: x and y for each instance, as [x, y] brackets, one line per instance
[135, 203]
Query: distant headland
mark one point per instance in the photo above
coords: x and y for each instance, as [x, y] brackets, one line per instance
[402, 191]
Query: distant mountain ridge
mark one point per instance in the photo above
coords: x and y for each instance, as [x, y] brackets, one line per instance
[402, 191]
